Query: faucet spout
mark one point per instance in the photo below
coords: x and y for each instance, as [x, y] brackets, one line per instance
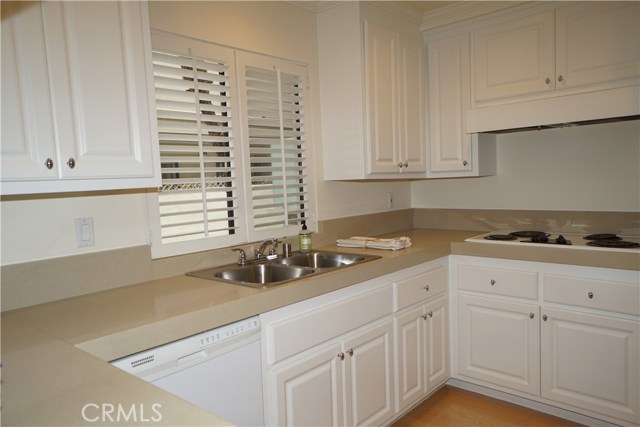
[263, 247]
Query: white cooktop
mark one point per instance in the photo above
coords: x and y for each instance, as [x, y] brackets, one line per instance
[577, 241]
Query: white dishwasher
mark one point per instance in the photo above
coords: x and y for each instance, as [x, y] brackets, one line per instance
[218, 370]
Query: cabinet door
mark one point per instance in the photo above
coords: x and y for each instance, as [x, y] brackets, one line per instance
[99, 66]
[516, 57]
[308, 390]
[436, 343]
[499, 343]
[381, 75]
[410, 354]
[597, 42]
[369, 376]
[411, 106]
[28, 138]
[448, 84]
[591, 362]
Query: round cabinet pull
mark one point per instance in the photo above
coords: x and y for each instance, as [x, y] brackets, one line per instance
[547, 80]
[406, 164]
[71, 163]
[400, 165]
[464, 163]
[590, 295]
[531, 315]
[430, 314]
[544, 317]
[49, 163]
[560, 78]
[341, 356]
[426, 288]
[424, 317]
[350, 352]
[493, 282]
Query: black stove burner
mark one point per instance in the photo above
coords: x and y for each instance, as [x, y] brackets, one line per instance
[613, 244]
[544, 238]
[529, 234]
[602, 236]
[500, 237]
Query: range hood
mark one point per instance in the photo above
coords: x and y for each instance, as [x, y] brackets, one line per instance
[603, 106]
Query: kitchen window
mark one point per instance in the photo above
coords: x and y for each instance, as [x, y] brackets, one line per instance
[233, 147]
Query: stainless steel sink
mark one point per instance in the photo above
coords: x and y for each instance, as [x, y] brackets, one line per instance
[326, 259]
[282, 270]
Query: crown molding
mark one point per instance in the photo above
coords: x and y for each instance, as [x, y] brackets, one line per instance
[315, 6]
[463, 11]
[402, 9]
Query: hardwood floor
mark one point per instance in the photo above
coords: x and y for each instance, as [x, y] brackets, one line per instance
[454, 407]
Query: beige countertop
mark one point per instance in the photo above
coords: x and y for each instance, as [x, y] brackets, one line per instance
[54, 355]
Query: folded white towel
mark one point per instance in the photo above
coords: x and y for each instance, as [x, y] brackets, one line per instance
[394, 244]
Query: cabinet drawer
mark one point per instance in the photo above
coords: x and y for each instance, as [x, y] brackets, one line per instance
[296, 334]
[420, 287]
[497, 281]
[622, 297]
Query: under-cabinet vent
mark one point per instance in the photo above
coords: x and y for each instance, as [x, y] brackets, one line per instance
[143, 361]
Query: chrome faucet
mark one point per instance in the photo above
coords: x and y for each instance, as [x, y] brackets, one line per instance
[260, 256]
[263, 246]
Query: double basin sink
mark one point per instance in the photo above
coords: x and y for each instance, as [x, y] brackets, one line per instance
[282, 270]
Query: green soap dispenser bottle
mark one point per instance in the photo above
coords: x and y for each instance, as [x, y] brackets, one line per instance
[304, 239]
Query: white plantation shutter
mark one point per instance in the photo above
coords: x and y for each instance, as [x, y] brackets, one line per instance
[200, 196]
[275, 127]
[233, 148]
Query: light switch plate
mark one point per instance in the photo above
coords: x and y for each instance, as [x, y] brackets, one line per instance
[84, 232]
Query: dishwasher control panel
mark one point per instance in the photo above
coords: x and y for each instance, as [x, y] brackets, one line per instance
[190, 350]
[231, 330]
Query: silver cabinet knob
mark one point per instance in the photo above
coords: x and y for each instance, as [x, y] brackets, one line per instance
[340, 356]
[590, 295]
[464, 163]
[430, 314]
[406, 164]
[400, 164]
[531, 315]
[350, 352]
[426, 288]
[493, 282]
[49, 163]
[424, 317]
[547, 80]
[560, 78]
[544, 317]
[71, 163]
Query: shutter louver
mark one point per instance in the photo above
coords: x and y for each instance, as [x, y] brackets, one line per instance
[275, 121]
[198, 196]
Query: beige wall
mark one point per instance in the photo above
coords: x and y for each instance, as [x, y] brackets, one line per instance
[589, 168]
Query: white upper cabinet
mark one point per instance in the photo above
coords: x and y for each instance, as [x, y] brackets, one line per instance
[597, 42]
[452, 151]
[79, 112]
[27, 122]
[372, 103]
[514, 57]
[555, 51]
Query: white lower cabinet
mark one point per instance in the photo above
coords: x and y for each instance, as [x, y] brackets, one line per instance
[499, 342]
[422, 350]
[348, 382]
[332, 360]
[574, 343]
[591, 362]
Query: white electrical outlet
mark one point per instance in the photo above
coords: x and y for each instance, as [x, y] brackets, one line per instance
[84, 232]
[390, 200]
